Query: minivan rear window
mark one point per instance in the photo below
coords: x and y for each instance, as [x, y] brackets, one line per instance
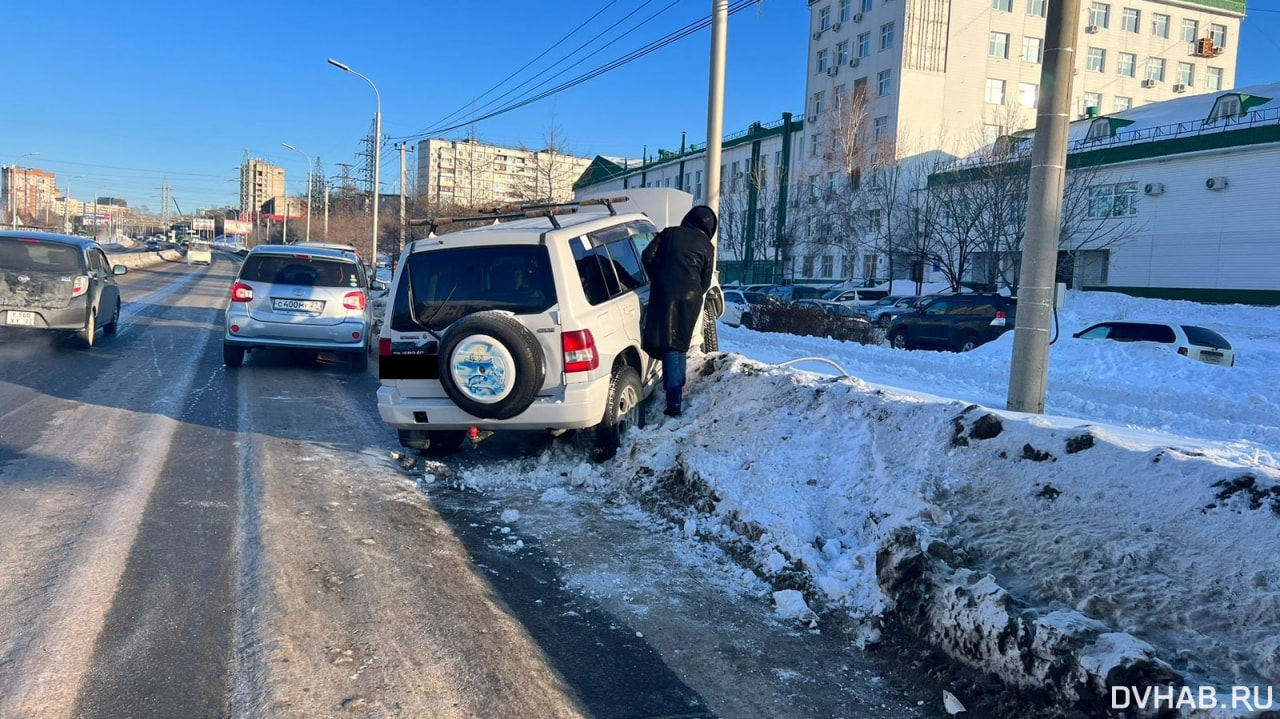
[300, 270]
[1205, 337]
[437, 288]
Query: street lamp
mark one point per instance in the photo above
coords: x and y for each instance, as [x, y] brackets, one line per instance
[13, 176]
[377, 150]
[286, 194]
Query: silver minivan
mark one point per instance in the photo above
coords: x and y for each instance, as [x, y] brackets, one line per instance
[291, 297]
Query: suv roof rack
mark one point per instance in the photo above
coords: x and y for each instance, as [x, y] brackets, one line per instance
[548, 210]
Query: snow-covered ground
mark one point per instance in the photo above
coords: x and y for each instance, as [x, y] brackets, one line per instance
[1125, 538]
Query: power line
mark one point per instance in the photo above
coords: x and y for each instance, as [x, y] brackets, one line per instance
[738, 6]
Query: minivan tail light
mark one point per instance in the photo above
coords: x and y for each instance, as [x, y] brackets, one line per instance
[79, 285]
[353, 300]
[240, 292]
[999, 320]
[580, 353]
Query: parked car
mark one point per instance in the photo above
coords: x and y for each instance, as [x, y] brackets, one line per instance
[1199, 343]
[58, 283]
[292, 297]
[855, 297]
[957, 322]
[882, 311]
[848, 314]
[791, 293]
[739, 303]
[531, 324]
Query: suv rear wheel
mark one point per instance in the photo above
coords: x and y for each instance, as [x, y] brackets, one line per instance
[492, 365]
[622, 412]
[968, 342]
[898, 339]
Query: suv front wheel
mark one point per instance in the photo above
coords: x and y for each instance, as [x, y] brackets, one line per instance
[622, 413]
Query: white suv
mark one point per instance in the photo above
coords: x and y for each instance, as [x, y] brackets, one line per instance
[531, 324]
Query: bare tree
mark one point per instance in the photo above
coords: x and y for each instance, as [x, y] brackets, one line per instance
[552, 171]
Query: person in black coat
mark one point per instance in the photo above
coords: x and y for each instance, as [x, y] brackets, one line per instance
[680, 262]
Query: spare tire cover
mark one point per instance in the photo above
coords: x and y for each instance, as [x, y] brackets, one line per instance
[491, 366]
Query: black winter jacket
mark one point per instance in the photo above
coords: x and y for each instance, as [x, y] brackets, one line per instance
[680, 263]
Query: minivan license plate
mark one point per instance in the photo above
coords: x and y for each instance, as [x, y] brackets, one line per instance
[21, 318]
[301, 305]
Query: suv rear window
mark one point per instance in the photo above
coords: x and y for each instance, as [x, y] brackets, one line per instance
[300, 270]
[39, 256]
[439, 287]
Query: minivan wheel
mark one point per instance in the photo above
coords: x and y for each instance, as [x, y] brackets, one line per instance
[111, 327]
[898, 339]
[491, 366]
[232, 356]
[622, 412]
[90, 329]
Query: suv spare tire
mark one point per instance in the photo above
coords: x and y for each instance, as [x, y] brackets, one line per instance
[491, 366]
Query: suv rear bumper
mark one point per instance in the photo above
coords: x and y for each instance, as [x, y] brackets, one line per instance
[583, 406]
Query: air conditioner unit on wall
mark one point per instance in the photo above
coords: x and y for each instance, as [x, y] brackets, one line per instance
[1216, 183]
[835, 28]
[1091, 29]
[1153, 188]
[857, 17]
[817, 34]
[1179, 88]
[854, 62]
[833, 70]
[1148, 83]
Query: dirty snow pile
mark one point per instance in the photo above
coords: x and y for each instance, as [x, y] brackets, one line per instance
[1127, 538]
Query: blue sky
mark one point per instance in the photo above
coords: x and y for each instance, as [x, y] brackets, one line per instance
[117, 99]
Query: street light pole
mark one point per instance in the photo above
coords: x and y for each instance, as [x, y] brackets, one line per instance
[377, 150]
[300, 152]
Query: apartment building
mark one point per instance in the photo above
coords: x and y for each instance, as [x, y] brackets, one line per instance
[260, 183]
[471, 173]
[955, 74]
[28, 191]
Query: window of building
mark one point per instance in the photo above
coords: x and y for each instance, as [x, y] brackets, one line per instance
[1190, 30]
[824, 60]
[1027, 92]
[866, 5]
[1234, 105]
[1096, 60]
[1122, 103]
[837, 97]
[1100, 14]
[1218, 33]
[990, 133]
[1129, 19]
[819, 102]
[1091, 100]
[1126, 64]
[884, 83]
[995, 91]
[864, 44]
[870, 263]
[824, 18]
[1213, 78]
[860, 88]
[1117, 200]
[846, 10]
[1036, 8]
[998, 45]
[1032, 49]
[873, 220]
[886, 36]
[842, 53]
[807, 266]
[1186, 74]
[1160, 25]
[1002, 5]
[697, 183]
[828, 266]
[1155, 69]
[880, 128]
[815, 144]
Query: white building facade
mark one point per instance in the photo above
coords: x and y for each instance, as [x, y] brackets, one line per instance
[471, 174]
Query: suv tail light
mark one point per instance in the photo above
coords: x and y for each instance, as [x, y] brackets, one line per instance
[384, 346]
[79, 285]
[353, 300]
[999, 320]
[240, 292]
[580, 353]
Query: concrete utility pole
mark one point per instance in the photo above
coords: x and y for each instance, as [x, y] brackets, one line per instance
[705, 332]
[1029, 372]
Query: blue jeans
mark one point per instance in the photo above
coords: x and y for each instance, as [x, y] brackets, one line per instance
[673, 364]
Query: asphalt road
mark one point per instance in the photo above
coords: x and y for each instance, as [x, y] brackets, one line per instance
[184, 540]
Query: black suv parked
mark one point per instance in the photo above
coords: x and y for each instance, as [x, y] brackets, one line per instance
[956, 322]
